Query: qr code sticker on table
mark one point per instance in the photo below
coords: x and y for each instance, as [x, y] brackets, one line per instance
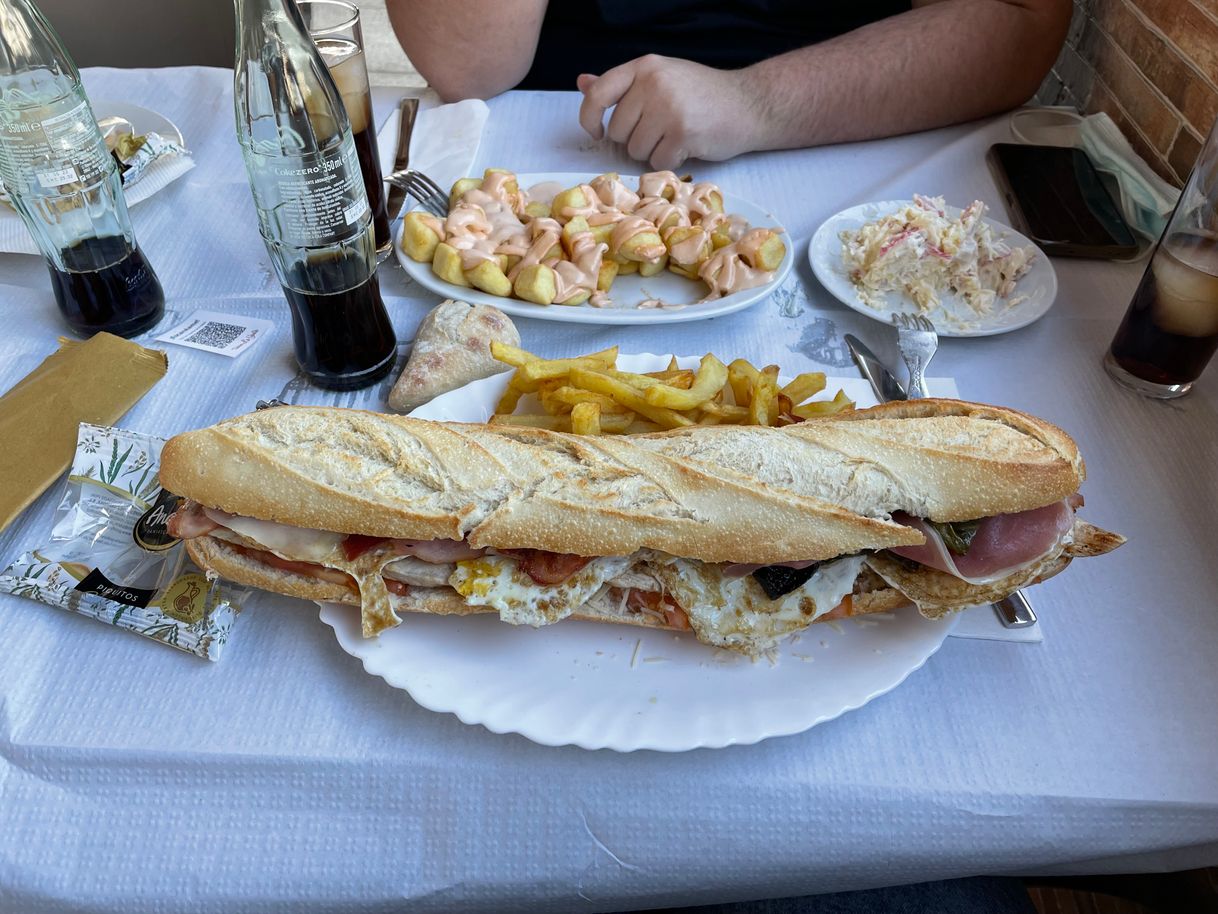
[216, 335]
[213, 331]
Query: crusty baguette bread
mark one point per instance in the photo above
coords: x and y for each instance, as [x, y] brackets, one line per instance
[871, 593]
[350, 471]
[945, 460]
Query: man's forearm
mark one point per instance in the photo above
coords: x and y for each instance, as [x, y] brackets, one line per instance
[470, 49]
[935, 65]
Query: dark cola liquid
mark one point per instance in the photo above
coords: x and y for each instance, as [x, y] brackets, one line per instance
[370, 168]
[345, 61]
[107, 285]
[1171, 329]
[344, 340]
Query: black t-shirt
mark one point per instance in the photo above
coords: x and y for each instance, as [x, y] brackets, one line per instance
[592, 36]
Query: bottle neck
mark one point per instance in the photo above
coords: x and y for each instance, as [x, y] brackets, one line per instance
[28, 43]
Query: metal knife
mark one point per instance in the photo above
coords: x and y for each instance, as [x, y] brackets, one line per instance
[883, 382]
[1013, 611]
[408, 110]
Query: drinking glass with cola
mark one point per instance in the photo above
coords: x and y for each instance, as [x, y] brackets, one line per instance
[334, 26]
[1170, 331]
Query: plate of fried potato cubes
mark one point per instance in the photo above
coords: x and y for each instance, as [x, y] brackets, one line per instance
[610, 249]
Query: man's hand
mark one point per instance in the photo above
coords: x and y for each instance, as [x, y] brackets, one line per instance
[668, 110]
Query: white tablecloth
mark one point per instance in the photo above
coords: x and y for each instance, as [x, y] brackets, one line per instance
[133, 777]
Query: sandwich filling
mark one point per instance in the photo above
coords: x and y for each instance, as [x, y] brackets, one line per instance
[747, 608]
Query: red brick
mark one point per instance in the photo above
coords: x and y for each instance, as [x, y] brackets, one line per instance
[1144, 105]
[1102, 99]
[1182, 84]
[1183, 154]
[1193, 31]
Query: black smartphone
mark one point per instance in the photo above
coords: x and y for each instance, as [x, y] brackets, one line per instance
[1055, 196]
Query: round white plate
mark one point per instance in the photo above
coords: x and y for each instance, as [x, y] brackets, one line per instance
[622, 688]
[627, 291]
[1039, 284]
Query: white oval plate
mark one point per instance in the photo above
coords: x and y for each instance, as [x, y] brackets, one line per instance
[1039, 284]
[622, 688]
[627, 291]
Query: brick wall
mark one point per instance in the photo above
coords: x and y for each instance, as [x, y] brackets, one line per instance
[1152, 66]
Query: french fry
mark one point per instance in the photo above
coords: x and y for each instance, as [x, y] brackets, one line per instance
[805, 386]
[623, 393]
[712, 374]
[639, 381]
[586, 419]
[508, 402]
[574, 396]
[681, 377]
[544, 369]
[821, 408]
[763, 402]
[726, 413]
[741, 375]
[545, 396]
[511, 355]
[523, 384]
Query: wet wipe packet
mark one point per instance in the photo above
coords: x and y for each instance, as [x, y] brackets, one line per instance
[110, 556]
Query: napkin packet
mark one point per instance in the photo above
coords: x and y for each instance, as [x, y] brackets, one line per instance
[95, 381]
[111, 558]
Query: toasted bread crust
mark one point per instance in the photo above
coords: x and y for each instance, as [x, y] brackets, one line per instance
[945, 460]
[350, 471]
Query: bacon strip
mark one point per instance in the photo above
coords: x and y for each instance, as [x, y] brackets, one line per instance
[189, 521]
[547, 567]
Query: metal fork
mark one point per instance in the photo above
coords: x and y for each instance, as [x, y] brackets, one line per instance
[429, 194]
[918, 341]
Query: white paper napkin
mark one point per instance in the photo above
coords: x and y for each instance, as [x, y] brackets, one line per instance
[445, 139]
[16, 239]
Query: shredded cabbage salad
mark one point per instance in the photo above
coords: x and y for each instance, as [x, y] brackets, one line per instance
[922, 252]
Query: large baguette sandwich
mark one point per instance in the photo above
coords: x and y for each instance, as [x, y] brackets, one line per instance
[744, 535]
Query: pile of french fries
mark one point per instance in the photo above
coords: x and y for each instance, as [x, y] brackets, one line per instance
[589, 395]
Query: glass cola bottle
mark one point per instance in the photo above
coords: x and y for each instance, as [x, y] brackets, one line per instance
[65, 185]
[309, 193]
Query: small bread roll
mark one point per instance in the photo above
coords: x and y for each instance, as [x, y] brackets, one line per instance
[451, 348]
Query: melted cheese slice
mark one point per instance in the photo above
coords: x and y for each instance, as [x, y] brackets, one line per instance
[497, 581]
[736, 613]
[299, 544]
